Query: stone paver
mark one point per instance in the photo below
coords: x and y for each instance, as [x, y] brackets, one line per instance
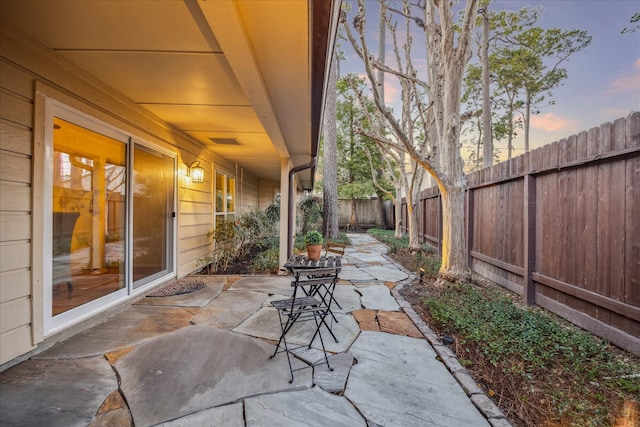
[227, 416]
[265, 324]
[367, 320]
[113, 412]
[269, 285]
[69, 392]
[310, 408]
[334, 381]
[348, 299]
[197, 368]
[352, 273]
[179, 364]
[398, 323]
[386, 274]
[378, 298]
[398, 382]
[137, 324]
[230, 309]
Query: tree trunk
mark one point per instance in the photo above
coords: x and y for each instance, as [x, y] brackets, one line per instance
[454, 241]
[384, 224]
[397, 206]
[381, 58]
[412, 219]
[487, 132]
[353, 219]
[330, 161]
[526, 119]
[511, 132]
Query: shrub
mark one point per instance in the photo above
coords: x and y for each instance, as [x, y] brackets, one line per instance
[313, 238]
[233, 238]
[311, 208]
[267, 261]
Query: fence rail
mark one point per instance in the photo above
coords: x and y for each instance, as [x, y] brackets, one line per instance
[560, 225]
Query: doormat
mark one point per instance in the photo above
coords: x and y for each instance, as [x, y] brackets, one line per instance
[178, 287]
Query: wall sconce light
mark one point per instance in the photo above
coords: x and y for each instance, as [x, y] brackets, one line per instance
[196, 172]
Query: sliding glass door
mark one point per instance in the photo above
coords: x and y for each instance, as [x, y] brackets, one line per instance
[89, 211]
[152, 214]
[109, 216]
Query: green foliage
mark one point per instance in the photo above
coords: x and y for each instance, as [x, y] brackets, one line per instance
[388, 238]
[267, 261]
[634, 20]
[223, 245]
[272, 213]
[428, 261]
[232, 238]
[342, 238]
[313, 237]
[311, 208]
[525, 67]
[530, 346]
[357, 155]
[299, 245]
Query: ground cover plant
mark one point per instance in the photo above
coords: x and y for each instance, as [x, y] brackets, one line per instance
[246, 243]
[539, 369]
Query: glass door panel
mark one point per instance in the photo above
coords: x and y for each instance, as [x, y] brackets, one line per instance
[231, 195]
[152, 214]
[89, 212]
[220, 193]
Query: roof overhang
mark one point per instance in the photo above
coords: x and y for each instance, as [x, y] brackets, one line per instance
[249, 71]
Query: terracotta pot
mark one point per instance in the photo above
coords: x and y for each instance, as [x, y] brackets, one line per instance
[314, 251]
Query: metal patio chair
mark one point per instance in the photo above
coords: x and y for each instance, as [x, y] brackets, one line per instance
[311, 300]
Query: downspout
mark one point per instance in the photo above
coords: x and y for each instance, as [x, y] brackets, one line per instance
[292, 172]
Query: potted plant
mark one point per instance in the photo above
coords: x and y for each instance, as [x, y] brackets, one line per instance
[313, 240]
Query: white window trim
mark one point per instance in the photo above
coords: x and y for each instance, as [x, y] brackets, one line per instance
[51, 325]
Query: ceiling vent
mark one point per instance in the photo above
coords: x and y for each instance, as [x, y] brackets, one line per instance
[225, 141]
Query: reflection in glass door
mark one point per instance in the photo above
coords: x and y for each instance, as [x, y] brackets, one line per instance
[152, 214]
[89, 211]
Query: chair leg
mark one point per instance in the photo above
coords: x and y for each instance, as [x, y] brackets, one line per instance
[318, 324]
[283, 340]
[323, 297]
[336, 302]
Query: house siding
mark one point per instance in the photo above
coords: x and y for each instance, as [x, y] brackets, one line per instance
[26, 68]
[16, 130]
[248, 190]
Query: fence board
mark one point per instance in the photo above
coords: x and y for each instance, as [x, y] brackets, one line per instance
[604, 145]
[583, 225]
[548, 186]
[632, 249]
[591, 218]
[617, 229]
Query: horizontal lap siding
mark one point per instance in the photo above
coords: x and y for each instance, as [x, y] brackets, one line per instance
[23, 65]
[195, 221]
[248, 191]
[16, 148]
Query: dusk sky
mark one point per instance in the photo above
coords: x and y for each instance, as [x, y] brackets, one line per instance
[603, 81]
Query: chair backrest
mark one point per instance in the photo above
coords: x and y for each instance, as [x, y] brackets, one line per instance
[334, 247]
[316, 277]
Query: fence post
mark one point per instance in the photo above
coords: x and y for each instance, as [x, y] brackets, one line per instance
[529, 290]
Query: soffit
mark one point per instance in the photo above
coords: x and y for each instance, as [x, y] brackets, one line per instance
[213, 69]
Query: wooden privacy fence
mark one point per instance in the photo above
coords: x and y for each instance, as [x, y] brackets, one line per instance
[368, 213]
[561, 226]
